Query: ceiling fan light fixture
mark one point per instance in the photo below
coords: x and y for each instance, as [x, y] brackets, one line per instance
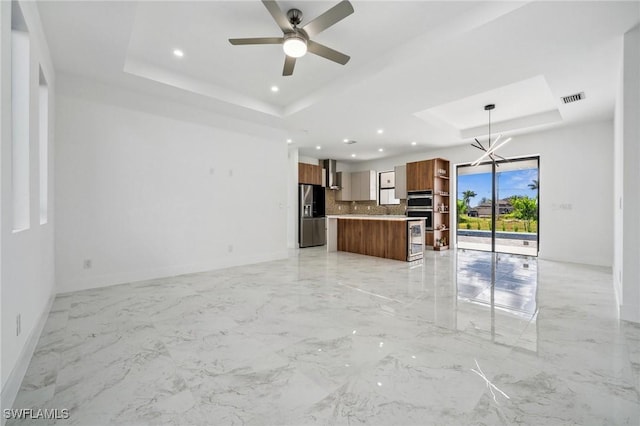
[294, 45]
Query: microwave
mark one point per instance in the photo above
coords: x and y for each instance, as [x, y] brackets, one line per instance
[420, 199]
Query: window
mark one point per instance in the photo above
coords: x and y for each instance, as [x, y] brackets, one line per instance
[387, 188]
[43, 132]
[19, 120]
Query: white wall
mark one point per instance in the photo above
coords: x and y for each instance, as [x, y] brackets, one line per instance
[292, 191]
[143, 195]
[618, 158]
[627, 181]
[575, 169]
[27, 257]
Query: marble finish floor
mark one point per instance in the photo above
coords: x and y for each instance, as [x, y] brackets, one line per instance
[463, 338]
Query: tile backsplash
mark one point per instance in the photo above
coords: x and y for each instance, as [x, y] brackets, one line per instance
[334, 206]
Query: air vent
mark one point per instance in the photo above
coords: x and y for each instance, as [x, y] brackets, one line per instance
[573, 98]
[350, 142]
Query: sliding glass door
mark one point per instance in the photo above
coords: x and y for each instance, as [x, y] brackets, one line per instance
[515, 228]
[474, 207]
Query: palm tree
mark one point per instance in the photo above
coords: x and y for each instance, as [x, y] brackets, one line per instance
[534, 184]
[468, 195]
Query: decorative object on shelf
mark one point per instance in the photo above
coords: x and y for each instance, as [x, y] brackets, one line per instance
[490, 150]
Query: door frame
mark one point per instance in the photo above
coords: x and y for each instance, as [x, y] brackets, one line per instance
[494, 208]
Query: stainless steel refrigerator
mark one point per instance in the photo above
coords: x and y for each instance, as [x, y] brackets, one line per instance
[312, 221]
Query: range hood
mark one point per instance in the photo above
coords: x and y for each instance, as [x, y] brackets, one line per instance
[333, 180]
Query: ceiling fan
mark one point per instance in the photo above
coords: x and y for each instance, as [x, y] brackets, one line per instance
[296, 41]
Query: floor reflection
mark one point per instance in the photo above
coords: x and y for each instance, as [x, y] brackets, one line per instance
[496, 295]
[461, 338]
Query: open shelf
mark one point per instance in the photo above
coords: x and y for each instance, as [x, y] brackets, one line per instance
[441, 199]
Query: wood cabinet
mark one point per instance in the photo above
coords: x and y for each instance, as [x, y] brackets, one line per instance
[433, 175]
[358, 186]
[441, 204]
[310, 174]
[420, 175]
[381, 238]
[401, 182]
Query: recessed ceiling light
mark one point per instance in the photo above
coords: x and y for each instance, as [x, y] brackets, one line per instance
[353, 155]
[274, 88]
[318, 147]
[380, 131]
[179, 53]
[380, 149]
[414, 143]
[289, 140]
[345, 140]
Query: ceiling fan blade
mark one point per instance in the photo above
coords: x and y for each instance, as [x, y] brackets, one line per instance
[259, 40]
[289, 63]
[278, 15]
[336, 14]
[327, 52]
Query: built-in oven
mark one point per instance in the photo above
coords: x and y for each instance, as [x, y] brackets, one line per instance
[420, 199]
[415, 239]
[426, 214]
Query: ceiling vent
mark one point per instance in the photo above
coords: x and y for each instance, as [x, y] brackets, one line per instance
[573, 98]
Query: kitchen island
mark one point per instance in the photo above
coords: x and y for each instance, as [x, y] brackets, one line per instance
[376, 235]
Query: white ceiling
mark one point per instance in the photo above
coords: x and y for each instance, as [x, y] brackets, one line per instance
[421, 70]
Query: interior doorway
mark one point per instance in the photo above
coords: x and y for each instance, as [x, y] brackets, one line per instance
[515, 227]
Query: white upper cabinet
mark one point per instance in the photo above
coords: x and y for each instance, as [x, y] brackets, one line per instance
[358, 186]
[401, 182]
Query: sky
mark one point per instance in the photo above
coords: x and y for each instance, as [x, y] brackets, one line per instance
[509, 183]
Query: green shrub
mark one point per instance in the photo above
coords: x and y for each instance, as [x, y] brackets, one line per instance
[468, 225]
[478, 225]
[516, 228]
[504, 228]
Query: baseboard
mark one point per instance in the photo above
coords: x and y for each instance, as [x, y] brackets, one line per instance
[106, 280]
[12, 386]
[584, 262]
[630, 313]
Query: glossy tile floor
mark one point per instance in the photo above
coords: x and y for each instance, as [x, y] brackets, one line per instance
[339, 339]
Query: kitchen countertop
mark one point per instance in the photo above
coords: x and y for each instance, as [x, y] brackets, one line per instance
[372, 217]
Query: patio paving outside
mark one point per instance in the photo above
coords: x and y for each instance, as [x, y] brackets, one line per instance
[503, 245]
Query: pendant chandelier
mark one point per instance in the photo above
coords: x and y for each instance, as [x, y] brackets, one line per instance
[490, 150]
